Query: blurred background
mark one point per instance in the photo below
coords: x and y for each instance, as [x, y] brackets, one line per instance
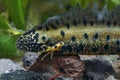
[18, 16]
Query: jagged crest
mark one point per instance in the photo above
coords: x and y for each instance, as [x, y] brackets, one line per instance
[78, 16]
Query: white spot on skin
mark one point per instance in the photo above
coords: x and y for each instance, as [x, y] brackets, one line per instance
[32, 45]
[36, 45]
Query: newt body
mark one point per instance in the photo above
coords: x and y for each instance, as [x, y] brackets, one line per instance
[81, 32]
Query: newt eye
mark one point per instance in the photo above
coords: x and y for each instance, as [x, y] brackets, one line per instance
[61, 43]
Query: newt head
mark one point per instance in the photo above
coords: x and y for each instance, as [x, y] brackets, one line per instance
[37, 41]
[32, 41]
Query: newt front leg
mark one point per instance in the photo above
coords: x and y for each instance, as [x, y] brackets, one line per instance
[51, 49]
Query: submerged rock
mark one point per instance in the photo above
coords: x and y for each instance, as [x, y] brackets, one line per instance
[66, 66]
[7, 66]
[22, 75]
[97, 69]
[29, 75]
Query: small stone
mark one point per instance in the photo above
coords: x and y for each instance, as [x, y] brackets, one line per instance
[7, 66]
[28, 59]
[110, 78]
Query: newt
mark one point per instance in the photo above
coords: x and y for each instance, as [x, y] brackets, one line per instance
[77, 31]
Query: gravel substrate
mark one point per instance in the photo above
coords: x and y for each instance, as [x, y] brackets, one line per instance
[96, 68]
